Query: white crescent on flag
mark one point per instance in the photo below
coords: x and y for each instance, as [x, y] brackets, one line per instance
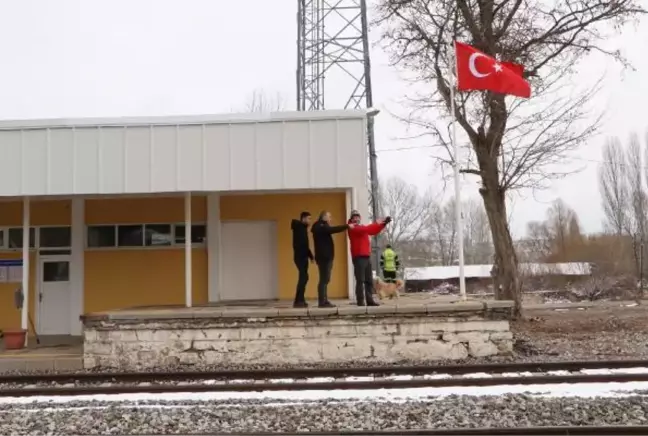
[473, 67]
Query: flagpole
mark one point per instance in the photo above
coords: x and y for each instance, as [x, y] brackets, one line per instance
[457, 179]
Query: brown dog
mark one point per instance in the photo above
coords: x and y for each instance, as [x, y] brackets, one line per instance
[390, 290]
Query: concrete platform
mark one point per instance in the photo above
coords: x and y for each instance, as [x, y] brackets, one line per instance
[274, 333]
[42, 358]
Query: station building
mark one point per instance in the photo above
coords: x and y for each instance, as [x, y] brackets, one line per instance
[103, 214]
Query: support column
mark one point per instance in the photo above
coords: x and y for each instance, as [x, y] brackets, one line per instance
[77, 266]
[213, 246]
[350, 205]
[188, 260]
[24, 319]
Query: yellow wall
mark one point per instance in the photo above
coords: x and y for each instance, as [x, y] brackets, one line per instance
[282, 208]
[120, 278]
[42, 213]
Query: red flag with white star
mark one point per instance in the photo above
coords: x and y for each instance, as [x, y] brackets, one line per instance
[477, 71]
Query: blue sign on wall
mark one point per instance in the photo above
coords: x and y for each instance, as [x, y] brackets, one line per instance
[11, 262]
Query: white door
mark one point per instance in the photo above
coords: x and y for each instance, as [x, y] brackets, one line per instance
[249, 260]
[54, 296]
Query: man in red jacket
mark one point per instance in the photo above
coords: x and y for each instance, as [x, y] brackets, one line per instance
[361, 253]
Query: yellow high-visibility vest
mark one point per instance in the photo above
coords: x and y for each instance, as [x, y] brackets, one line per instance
[389, 260]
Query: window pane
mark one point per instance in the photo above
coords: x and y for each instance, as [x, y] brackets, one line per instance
[157, 234]
[15, 237]
[101, 236]
[198, 233]
[55, 237]
[2, 238]
[130, 236]
[58, 271]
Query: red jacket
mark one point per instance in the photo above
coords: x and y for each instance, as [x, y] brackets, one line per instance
[359, 238]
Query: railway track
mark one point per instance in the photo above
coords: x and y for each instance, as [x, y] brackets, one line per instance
[325, 379]
[522, 431]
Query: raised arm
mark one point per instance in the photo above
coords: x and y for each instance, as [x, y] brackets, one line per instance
[337, 229]
[369, 229]
[375, 228]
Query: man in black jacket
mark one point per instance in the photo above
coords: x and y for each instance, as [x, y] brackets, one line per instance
[325, 253]
[301, 255]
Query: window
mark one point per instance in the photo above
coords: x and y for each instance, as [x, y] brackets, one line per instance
[55, 237]
[15, 237]
[198, 233]
[2, 238]
[130, 235]
[157, 235]
[101, 236]
[56, 271]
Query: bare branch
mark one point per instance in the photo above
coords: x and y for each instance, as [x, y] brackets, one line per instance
[405, 205]
[514, 143]
[259, 101]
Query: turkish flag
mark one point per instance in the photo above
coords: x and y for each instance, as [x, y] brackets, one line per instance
[477, 71]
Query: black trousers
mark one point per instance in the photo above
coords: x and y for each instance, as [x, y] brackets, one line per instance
[302, 281]
[390, 276]
[324, 266]
[363, 280]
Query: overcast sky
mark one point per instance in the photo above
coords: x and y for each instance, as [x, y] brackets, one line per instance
[81, 58]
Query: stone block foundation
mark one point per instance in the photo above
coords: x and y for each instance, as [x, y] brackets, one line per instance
[131, 340]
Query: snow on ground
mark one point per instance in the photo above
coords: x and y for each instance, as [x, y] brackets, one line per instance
[431, 394]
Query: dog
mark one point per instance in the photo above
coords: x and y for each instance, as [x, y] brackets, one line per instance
[391, 290]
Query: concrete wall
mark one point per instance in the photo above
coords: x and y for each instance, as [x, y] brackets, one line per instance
[134, 343]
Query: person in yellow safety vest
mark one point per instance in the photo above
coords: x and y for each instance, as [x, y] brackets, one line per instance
[389, 263]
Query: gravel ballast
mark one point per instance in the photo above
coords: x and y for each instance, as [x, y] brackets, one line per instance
[517, 410]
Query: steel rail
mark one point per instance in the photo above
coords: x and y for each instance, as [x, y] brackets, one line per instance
[522, 431]
[319, 386]
[125, 377]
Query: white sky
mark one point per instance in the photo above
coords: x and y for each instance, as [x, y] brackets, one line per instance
[80, 58]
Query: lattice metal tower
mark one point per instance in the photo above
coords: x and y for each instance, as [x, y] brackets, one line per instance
[333, 49]
[333, 64]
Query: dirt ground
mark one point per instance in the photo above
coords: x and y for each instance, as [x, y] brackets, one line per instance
[605, 332]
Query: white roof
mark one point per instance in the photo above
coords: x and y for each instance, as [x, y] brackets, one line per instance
[484, 271]
[278, 151]
[184, 120]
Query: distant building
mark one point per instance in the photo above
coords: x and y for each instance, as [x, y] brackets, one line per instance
[427, 278]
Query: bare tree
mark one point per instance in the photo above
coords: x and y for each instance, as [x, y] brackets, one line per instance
[622, 177]
[539, 240]
[559, 221]
[614, 188]
[259, 101]
[477, 237]
[441, 231]
[515, 143]
[558, 238]
[406, 206]
[637, 223]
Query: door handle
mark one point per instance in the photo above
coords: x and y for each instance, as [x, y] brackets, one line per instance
[40, 297]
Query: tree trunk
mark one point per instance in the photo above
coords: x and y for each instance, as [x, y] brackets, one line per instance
[505, 257]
